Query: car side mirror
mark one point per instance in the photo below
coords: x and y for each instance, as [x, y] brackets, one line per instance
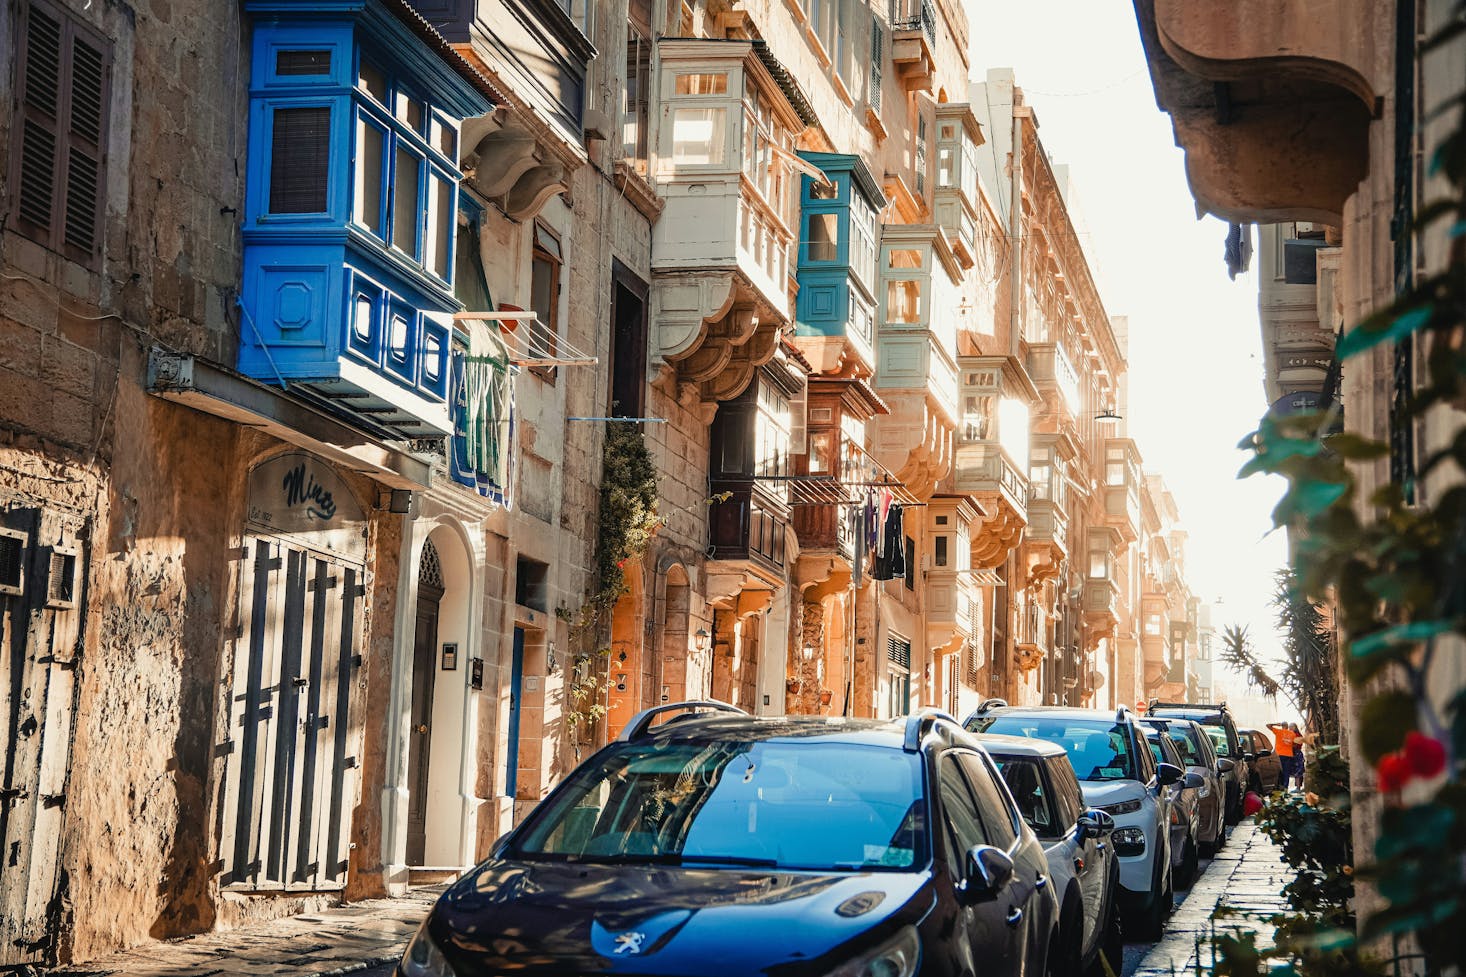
[1193, 781]
[1168, 773]
[988, 870]
[1095, 823]
[1249, 757]
[1225, 766]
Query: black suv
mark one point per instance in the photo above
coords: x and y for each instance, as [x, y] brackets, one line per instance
[741, 845]
[1216, 719]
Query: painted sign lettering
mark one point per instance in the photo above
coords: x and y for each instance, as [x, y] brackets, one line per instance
[303, 489]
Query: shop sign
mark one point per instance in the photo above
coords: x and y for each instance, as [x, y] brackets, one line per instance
[297, 494]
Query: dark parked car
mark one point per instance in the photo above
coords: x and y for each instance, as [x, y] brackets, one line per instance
[736, 845]
[1265, 766]
[1196, 748]
[1082, 866]
[1216, 719]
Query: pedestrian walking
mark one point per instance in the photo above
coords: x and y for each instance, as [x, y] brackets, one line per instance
[1286, 738]
[1300, 740]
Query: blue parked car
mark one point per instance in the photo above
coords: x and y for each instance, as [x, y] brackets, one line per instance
[723, 843]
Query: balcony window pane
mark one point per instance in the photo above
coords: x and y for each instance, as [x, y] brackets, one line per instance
[903, 258]
[300, 160]
[371, 80]
[634, 110]
[945, 158]
[821, 452]
[1013, 430]
[702, 84]
[440, 229]
[410, 111]
[367, 209]
[824, 191]
[361, 320]
[397, 339]
[445, 139]
[432, 357]
[824, 237]
[1099, 564]
[939, 551]
[903, 301]
[406, 208]
[697, 136]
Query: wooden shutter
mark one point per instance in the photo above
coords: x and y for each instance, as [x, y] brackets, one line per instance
[59, 169]
[300, 156]
[877, 42]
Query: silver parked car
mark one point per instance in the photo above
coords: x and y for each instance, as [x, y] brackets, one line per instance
[1083, 869]
[1197, 749]
[1185, 858]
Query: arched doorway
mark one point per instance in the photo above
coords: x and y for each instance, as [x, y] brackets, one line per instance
[676, 642]
[438, 732]
[424, 685]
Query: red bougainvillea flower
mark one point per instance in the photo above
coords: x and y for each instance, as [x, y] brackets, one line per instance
[620, 564]
[1425, 754]
[1393, 771]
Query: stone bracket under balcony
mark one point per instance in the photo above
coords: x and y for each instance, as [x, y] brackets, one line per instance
[916, 443]
[994, 538]
[1270, 101]
[511, 159]
[1044, 543]
[712, 333]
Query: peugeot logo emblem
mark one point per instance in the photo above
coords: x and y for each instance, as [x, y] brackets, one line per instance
[629, 942]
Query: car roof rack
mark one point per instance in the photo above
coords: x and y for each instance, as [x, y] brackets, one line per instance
[919, 719]
[642, 721]
[994, 703]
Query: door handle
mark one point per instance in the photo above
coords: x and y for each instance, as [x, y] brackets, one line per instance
[1015, 916]
[1041, 881]
[423, 728]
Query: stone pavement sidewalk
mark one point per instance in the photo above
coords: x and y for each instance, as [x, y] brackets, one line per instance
[336, 941]
[1246, 879]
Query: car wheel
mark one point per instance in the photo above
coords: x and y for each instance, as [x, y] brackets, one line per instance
[1190, 861]
[1110, 959]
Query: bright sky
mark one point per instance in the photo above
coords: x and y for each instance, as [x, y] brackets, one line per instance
[1195, 347]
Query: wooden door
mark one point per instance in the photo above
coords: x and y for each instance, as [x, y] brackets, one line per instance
[420, 737]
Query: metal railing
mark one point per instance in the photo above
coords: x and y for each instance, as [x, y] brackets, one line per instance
[910, 15]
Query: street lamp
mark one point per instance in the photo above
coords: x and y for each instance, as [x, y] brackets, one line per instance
[1108, 415]
[703, 640]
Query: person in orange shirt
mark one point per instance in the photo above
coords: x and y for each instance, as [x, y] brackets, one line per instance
[1287, 738]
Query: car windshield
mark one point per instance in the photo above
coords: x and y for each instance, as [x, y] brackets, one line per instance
[779, 804]
[1098, 750]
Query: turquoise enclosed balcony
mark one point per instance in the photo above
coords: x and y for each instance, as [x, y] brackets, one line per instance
[836, 308]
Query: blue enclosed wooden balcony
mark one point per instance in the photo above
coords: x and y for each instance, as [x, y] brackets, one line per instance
[836, 270]
[351, 211]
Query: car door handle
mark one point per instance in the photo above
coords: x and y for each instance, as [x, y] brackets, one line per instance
[1041, 881]
[1015, 915]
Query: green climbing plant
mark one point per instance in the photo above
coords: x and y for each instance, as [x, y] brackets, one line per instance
[1395, 571]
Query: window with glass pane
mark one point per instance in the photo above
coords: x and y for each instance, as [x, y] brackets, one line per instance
[903, 301]
[1099, 563]
[1153, 624]
[1115, 467]
[714, 83]
[410, 111]
[939, 550]
[697, 136]
[824, 237]
[821, 452]
[406, 207]
[361, 320]
[634, 110]
[1039, 473]
[544, 292]
[862, 241]
[1013, 430]
[300, 156]
[440, 226]
[397, 339]
[371, 80]
[945, 158]
[368, 209]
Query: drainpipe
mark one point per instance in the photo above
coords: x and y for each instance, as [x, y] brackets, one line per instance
[1015, 232]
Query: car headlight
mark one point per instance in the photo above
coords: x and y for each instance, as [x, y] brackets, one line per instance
[422, 958]
[1129, 841]
[897, 957]
[1123, 807]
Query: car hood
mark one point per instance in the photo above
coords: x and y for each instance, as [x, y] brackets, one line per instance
[585, 918]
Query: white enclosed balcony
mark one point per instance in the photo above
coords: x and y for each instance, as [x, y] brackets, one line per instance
[956, 197]
[723, 248]
[1122, 487]
[993, 450]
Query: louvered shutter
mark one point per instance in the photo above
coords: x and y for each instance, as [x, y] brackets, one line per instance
[300, 155]
[877, 41]
[60, 168]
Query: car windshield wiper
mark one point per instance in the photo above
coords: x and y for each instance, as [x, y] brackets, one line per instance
[673, 858]
[748, 860]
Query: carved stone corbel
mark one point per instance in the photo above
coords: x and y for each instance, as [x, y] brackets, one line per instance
[534, 189]
[500, 159]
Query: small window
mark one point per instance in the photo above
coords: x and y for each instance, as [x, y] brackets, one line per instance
[544, 295]
[440, 227]
[824, 191]
[903, 258]
[824, 237]
[300, 157]
[702, 84]
[410, 111]
[12, 562]
[445, 139]
[406, 209]
[432, 358]
[939, 550]
[367, 209]
[297, 63]
[697, 136]
[397, 339]
[371, 80]
[903, 302]
[361, 320]
[61, 581]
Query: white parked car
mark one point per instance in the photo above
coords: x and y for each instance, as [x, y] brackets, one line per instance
[1083, 869]
[1118, 776]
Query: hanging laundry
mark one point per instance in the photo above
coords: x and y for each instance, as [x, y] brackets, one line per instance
[890, 562]
[481, 384]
